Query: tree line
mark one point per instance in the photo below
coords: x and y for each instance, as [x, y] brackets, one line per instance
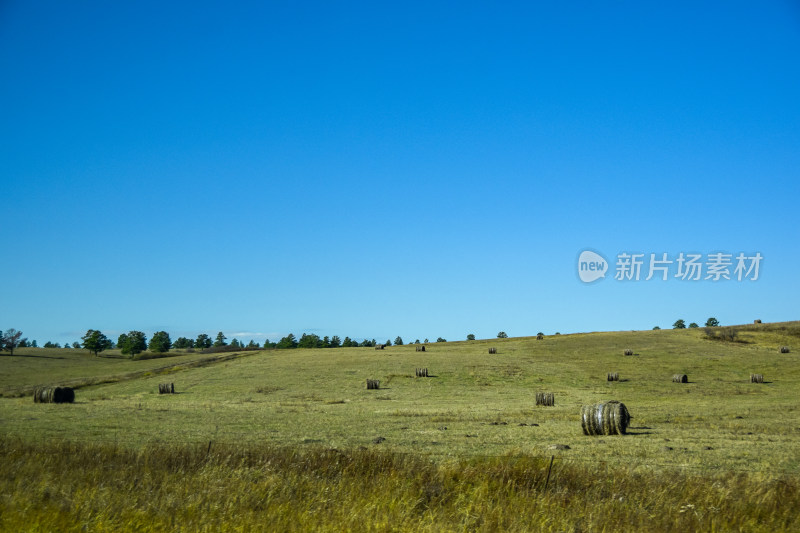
[135, 342]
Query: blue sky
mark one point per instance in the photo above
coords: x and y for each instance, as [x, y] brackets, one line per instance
[380, 170]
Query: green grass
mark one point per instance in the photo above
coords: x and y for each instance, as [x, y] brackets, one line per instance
[477, 410]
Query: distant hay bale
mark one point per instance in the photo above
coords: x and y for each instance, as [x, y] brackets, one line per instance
[421, 372]
[373, 384]
[380, 346]
[613, 376]
[539, 337]
[628, 352]
[547, 399]
[784, 349]
[54, 395]
[492, 350]
[166, 388]
[680, 378]
[756, 378]
[606, 418]
[757, 321]
[421, 348]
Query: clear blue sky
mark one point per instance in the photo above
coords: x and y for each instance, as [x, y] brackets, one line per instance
[413, 169]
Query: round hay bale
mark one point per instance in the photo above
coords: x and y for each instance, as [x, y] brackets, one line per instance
[420, 348]
[373, 384]
[613, 376]
[756, 378]
[606, 418]
[628, 352]
[757, 321]
[54, 395]
[40, 395]
[784, 349]
[492, 350]
[546, 399]
[680, 378]
[539, 337]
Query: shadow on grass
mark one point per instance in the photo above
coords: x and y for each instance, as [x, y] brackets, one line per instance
[39, 356]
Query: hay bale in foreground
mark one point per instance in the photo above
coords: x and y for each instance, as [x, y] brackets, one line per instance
[606, 418]
[421, 348]
[421, 372]
[54, 395]
[548, 399]
[492, 350]
[166, 388]
[628, 352]
[756, 378]
[784, 349]
[373, 384]
[680, 378]
[613, 376]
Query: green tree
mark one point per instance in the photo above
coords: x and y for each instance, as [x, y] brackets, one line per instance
[693, 325]
[656, 327]
[425, 341]
[287, 342]
[712, 322]
[347, 342]
[679, 324]
[309, 341]
[336, 341]
[10, 340]
[417, 341]
[95, 341]
[182, 343]
[35, 345]
[160, 342]
[23, 343]
[132, 343]
[398, 341]
[388, 342]
[471, 337]
[220, 340]
[441, 340]
[502, 335]
[75, 345]
[203, 341]
[253, 344]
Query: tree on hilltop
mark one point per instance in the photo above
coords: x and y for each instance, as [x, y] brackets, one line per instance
[160, 342]
[220, 341]
[10, 340]
[132, 343]
[95, 341]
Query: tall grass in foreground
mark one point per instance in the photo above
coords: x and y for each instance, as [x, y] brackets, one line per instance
[69, 487]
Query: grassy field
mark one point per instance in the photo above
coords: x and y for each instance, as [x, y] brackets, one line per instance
[476, 414]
